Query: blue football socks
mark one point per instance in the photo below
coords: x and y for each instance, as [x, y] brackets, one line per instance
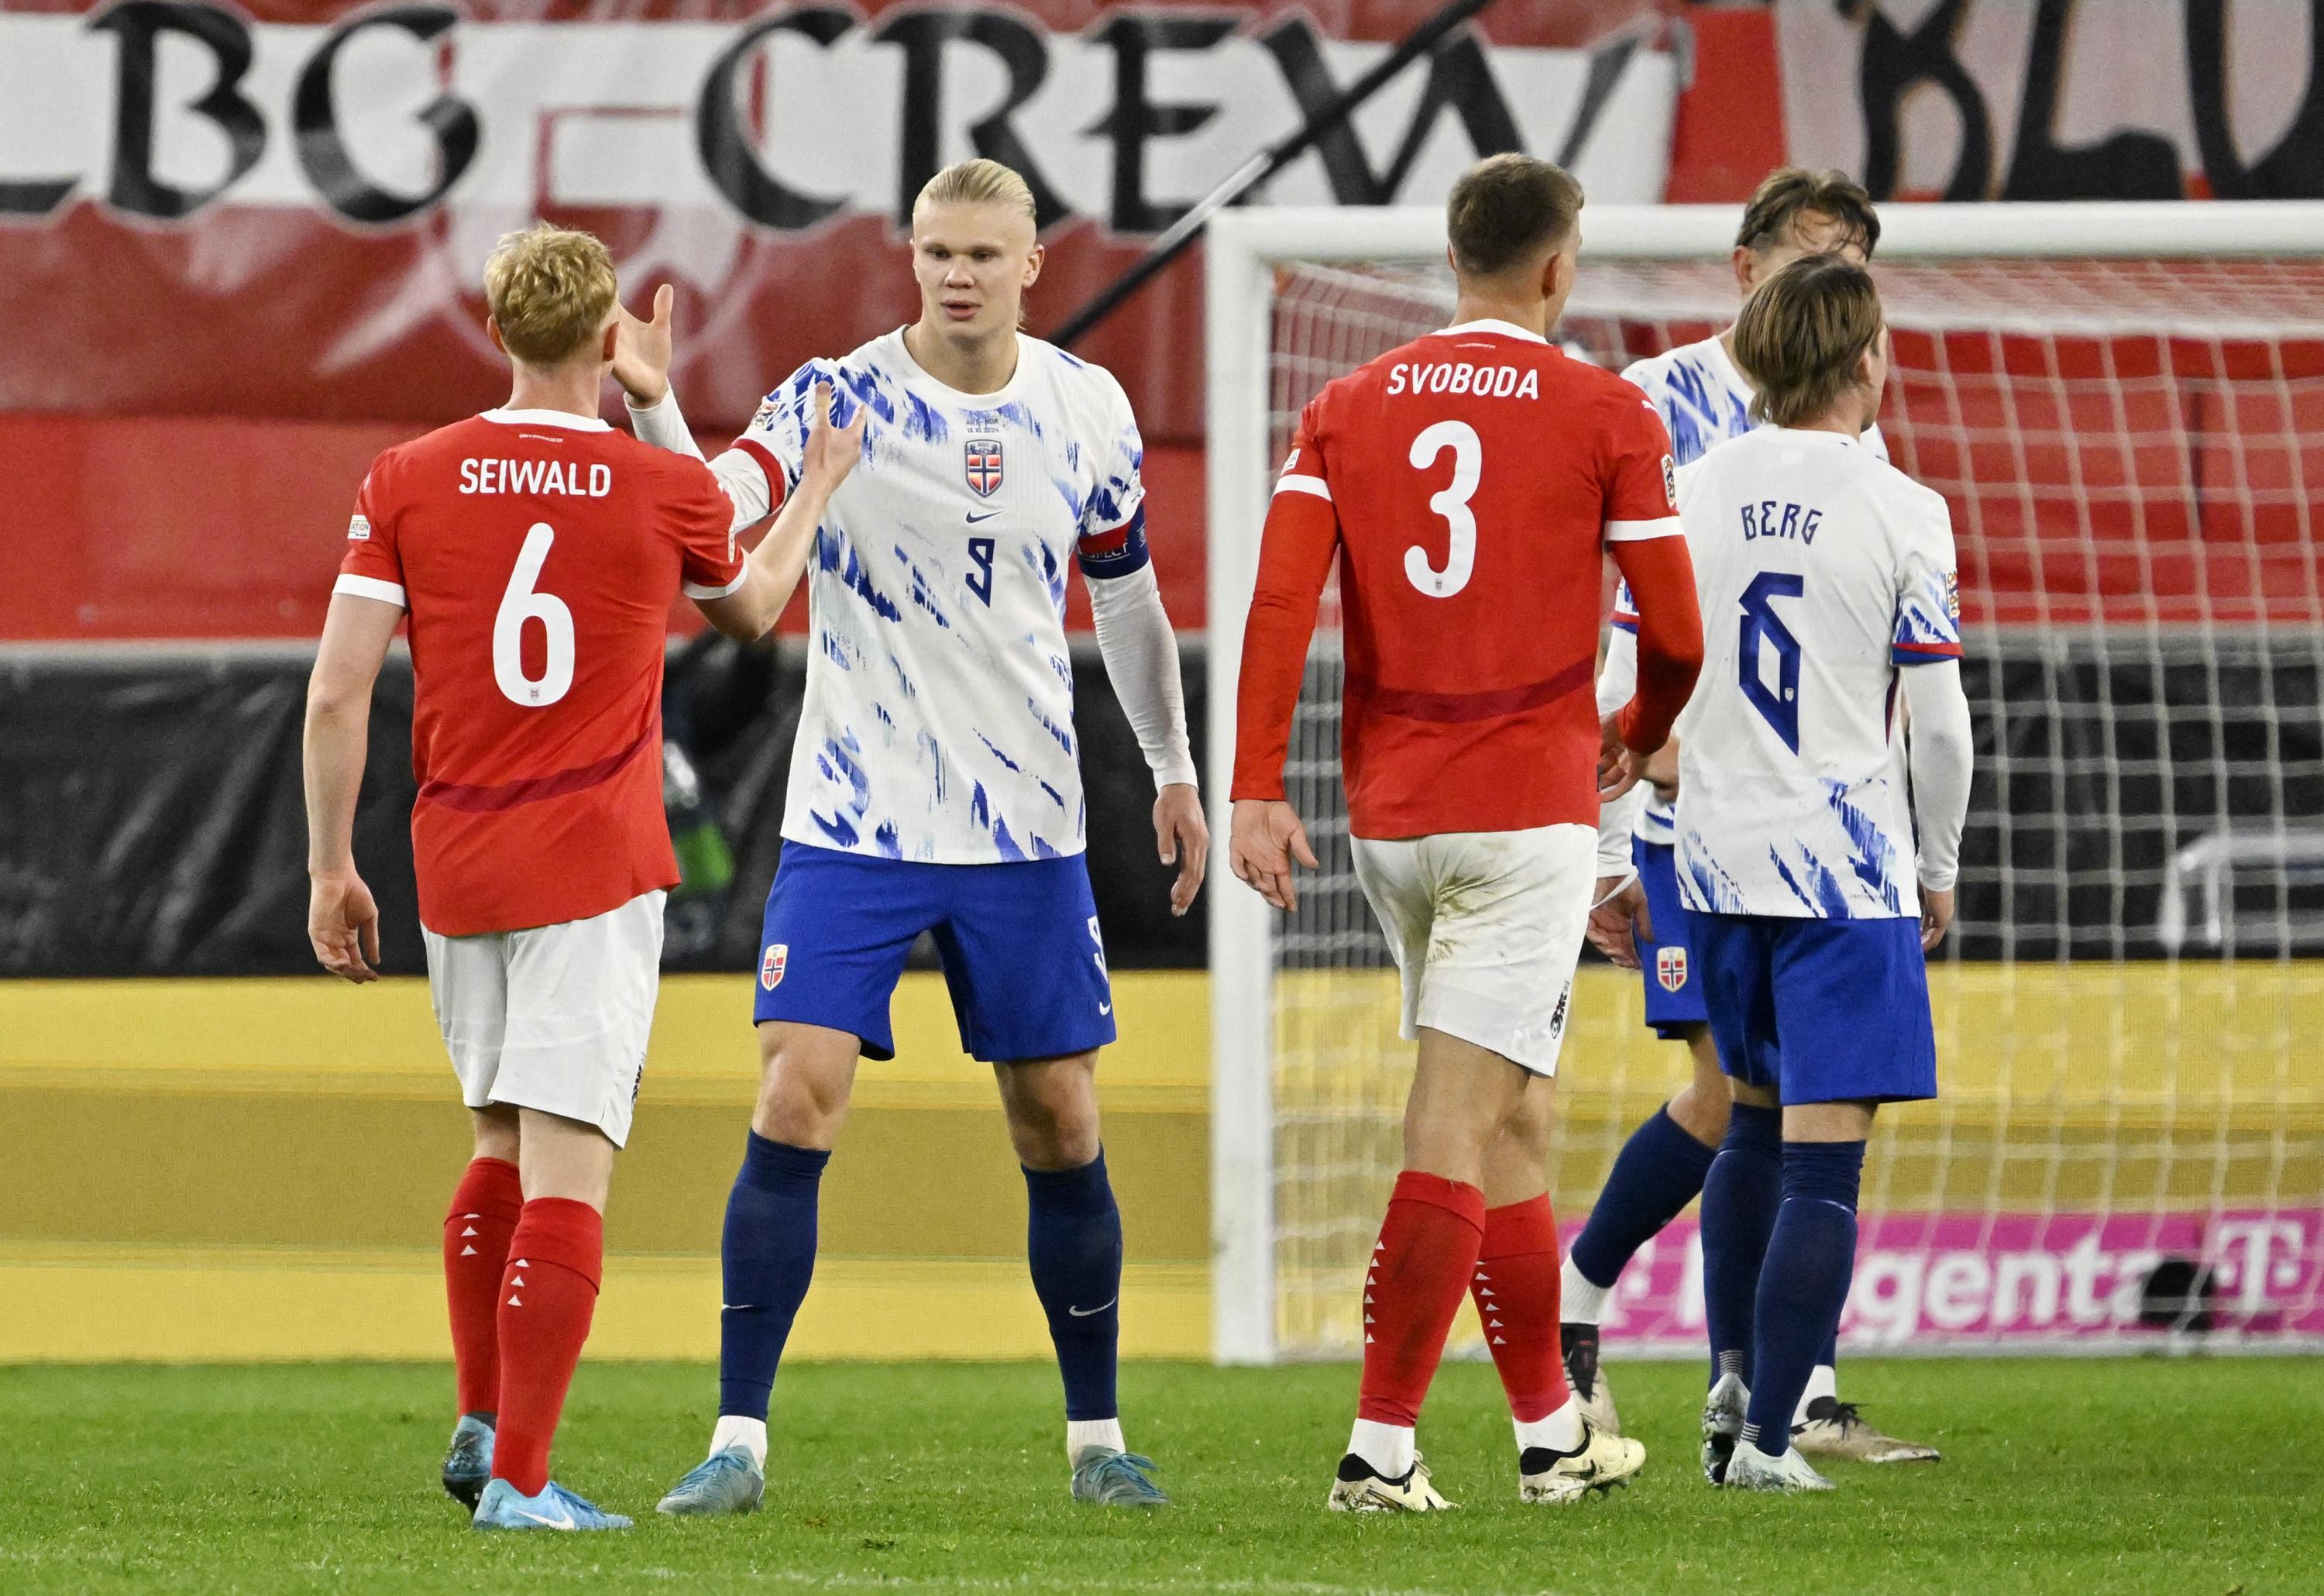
[769, 1255]
[1073, 1239]
[1739, 1198]
[1658, 1172]
[1803, 1284]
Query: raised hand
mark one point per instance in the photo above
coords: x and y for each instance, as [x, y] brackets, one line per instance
[641, 350]
[832, 451]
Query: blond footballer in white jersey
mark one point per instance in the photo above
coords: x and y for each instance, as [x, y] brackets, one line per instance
[935, 787]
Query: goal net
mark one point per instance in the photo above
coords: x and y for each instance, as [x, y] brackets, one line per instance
[2123, 406]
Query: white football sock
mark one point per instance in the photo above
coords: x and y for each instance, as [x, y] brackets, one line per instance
[748, 1433]
[1823, 1380]
[1580, 1301]
[1092, 1432]
[1560, 1432]
[1389, 1448]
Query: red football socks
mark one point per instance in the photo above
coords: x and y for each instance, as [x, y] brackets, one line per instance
[484, 1209]
[1426, 1253]
[1516, 1286]
[547, 1297]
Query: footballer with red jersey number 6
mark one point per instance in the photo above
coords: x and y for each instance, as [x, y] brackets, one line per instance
[1473, 758]
[535, 552]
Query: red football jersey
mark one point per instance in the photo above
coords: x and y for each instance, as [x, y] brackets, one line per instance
[1469, 484]
[536, 553]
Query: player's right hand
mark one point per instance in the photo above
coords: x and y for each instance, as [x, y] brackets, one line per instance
[343, 923]
[1266, 836]
[832, 451]
[642, 351]
[1618, 904]
[1936, 916]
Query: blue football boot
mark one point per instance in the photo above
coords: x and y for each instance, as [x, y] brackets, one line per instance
[1116, 1479]
[504, 1507]
[726, 1482]
[469, 1463]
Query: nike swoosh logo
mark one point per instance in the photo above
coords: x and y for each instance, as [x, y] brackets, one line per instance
[988, 515]
[1105, 1008]
[1085, 1313]
[562, 1522]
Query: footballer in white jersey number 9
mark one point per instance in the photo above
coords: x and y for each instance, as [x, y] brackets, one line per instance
[1451, 503]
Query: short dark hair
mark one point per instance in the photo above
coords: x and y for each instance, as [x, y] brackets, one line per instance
[1790, 191]
[1508, 209]
[1802, 333]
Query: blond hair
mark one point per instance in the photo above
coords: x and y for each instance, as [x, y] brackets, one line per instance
[550, 291]
[977, 183]
[1803, 333]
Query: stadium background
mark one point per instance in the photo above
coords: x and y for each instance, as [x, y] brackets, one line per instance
[220, 302]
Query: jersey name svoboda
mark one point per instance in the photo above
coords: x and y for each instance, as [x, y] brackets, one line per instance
[1823, 571]
[937, 725]
[1704, 399]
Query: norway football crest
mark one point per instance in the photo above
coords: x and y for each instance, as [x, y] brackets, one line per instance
[983, 460]
[771, 968]
[1670, 968]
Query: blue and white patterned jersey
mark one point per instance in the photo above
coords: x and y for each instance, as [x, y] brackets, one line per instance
[938, 720]
[1704, 399]
[1822, 570]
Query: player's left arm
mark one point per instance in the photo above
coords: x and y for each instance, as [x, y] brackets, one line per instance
[1141, 652]
[1940, 739]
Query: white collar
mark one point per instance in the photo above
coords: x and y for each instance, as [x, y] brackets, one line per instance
[915, 372]
[566, 419]
[1506, 329]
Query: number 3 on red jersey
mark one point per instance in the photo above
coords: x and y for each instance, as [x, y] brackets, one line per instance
[523, 601]
[1451, 503]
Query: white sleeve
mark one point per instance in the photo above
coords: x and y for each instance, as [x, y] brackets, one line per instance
[1941, 746]
[1141, 660]
[742, 478]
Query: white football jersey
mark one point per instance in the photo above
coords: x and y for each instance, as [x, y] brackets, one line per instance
[1704, 399]
[1822, 571]
[938, 723]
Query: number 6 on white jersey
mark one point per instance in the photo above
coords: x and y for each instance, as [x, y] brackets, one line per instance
[1451, 504]
[519, 605]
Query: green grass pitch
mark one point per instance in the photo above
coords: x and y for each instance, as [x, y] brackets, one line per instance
[2195, 1477]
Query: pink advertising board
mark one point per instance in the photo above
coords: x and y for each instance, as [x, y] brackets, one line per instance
[2015, 1279]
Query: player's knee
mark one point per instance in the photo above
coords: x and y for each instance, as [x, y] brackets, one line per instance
[1052, 1117]
[1525, 1133]
[804, 1090]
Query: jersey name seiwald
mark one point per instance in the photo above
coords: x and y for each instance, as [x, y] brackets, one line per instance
[1704, 399]
[1824, 573]
[937, 725]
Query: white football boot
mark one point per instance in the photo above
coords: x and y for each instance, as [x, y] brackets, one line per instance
[1722, 1425]
[1751, 1469]
[1363, 1488]
[1835, 1429]
[1598, 1464]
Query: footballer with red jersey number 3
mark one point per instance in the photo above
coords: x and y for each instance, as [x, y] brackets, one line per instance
[535, 551]
[1471, 484]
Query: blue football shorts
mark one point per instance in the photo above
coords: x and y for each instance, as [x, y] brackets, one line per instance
[1022, 955]
[1822, 1010]
[1674, 994]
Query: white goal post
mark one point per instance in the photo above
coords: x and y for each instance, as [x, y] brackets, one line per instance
[1252, 389]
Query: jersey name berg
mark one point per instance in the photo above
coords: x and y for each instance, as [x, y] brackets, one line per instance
[1459, 376]
[535, 478]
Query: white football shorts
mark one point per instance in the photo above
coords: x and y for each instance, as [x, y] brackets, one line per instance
[1487, 928]
[555, 1018]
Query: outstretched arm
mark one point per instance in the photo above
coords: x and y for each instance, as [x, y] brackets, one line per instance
[772, 572]
[643, 352]
[342, 919]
